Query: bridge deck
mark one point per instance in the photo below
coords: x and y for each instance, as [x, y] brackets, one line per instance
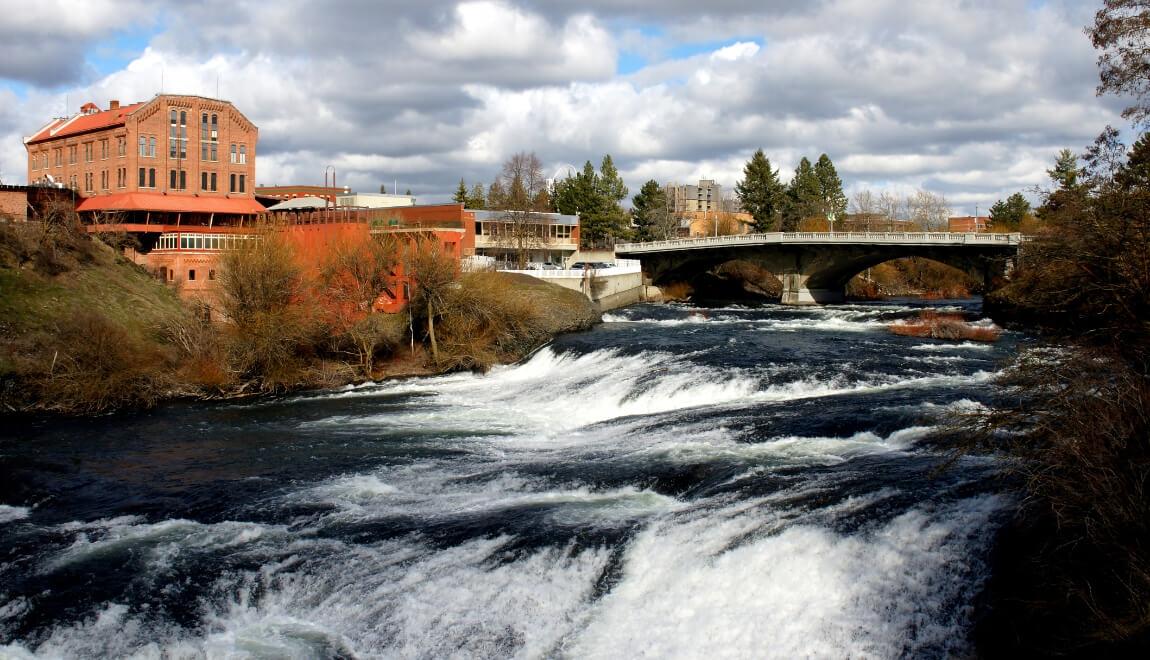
[823, 238]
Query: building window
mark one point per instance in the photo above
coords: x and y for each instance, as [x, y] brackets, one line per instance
[178, 135]
[152, 147]
[242, 177]
[232, 157]
[121, 146]
[243, 153]
[192, 275]
[104, 180]
[183, 179]
[215, 128]
[103, 150]
[151, 177]
[59, 157]
[203, 180]
[211, 273]
[143, 178]
[213, 180]
[232, 183]
[172, 179]
[88, 152]
[72, 155]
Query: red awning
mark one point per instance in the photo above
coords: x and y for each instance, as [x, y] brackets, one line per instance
[170, 204]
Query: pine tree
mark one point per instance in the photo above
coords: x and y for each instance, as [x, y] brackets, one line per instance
[649, 210]
[476, 200]
[834, 200]
[460, 196]
[761, 193]
[1010, 213]
[496, 196]
[611, 184]
[804, 196]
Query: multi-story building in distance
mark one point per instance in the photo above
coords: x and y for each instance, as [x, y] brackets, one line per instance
[173, 154]
[177, 172]
[707, 196]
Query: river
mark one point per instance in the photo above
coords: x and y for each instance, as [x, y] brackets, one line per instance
[732, 482]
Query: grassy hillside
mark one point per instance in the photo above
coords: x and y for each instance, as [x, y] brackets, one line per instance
[83, 330]
[80, 327]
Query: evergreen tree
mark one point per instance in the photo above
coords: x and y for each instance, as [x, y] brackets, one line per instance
[1010, 213]
[476, 200]
[1067, 176]
[595, 197]
[611, 184]
[804, 196]
[834, 200]
[460, 196]
[648, 211]
[761, 193]
[1065, 172]
[496, 195]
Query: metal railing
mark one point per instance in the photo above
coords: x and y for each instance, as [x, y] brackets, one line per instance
[825, 238]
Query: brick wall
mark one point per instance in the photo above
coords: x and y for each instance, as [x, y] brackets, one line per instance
[13, 203]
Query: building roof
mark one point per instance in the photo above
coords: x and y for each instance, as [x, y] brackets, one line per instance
[134, 201]
[306, 202]
[83, 123]
[549, 218]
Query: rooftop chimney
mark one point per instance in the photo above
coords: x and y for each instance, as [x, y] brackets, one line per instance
[113, 104]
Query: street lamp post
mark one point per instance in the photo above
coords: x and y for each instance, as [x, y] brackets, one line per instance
[329, 168]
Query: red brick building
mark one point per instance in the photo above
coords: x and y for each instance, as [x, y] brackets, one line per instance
[173, 154]
[968, 223]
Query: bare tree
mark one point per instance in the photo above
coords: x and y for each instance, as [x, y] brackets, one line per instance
[891, 207]
[523, 226]
[435, 272]
[665, 222]
[864, 203]
[352, 276]
[928, 210]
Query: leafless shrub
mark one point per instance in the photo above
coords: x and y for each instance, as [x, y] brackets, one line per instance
[271, 334]
[97, 365]
[953, 327]
[485, 322]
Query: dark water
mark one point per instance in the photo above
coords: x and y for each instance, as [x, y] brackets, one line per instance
[679, 482]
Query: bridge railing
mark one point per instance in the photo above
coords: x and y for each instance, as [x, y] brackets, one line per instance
[863, 238]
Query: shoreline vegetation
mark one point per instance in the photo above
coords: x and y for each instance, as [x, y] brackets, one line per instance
[1071, 569]
[85, 331]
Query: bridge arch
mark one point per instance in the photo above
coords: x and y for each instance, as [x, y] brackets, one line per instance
[815, 267]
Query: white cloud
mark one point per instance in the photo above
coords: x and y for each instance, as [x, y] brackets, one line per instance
[972, 97]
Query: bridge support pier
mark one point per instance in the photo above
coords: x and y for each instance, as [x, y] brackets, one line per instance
[796, 291]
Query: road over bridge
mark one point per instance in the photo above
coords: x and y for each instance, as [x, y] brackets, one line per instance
[815, 267]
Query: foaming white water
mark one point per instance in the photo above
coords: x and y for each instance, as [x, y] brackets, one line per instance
[964, 346]
[438, 492]
[162, 541]
[553, 393]
[804, 592]
[11, 513]
[392, 599]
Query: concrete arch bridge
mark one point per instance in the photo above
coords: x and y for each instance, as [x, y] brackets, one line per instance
[815, 267]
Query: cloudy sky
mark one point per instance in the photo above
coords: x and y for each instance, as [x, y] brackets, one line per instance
[968, 98]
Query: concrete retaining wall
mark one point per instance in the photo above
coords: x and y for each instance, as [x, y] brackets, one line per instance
[609, 287]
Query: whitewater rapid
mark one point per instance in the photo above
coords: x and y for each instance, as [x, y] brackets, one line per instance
[733, 482]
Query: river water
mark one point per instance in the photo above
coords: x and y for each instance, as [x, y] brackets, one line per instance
[742, 482]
